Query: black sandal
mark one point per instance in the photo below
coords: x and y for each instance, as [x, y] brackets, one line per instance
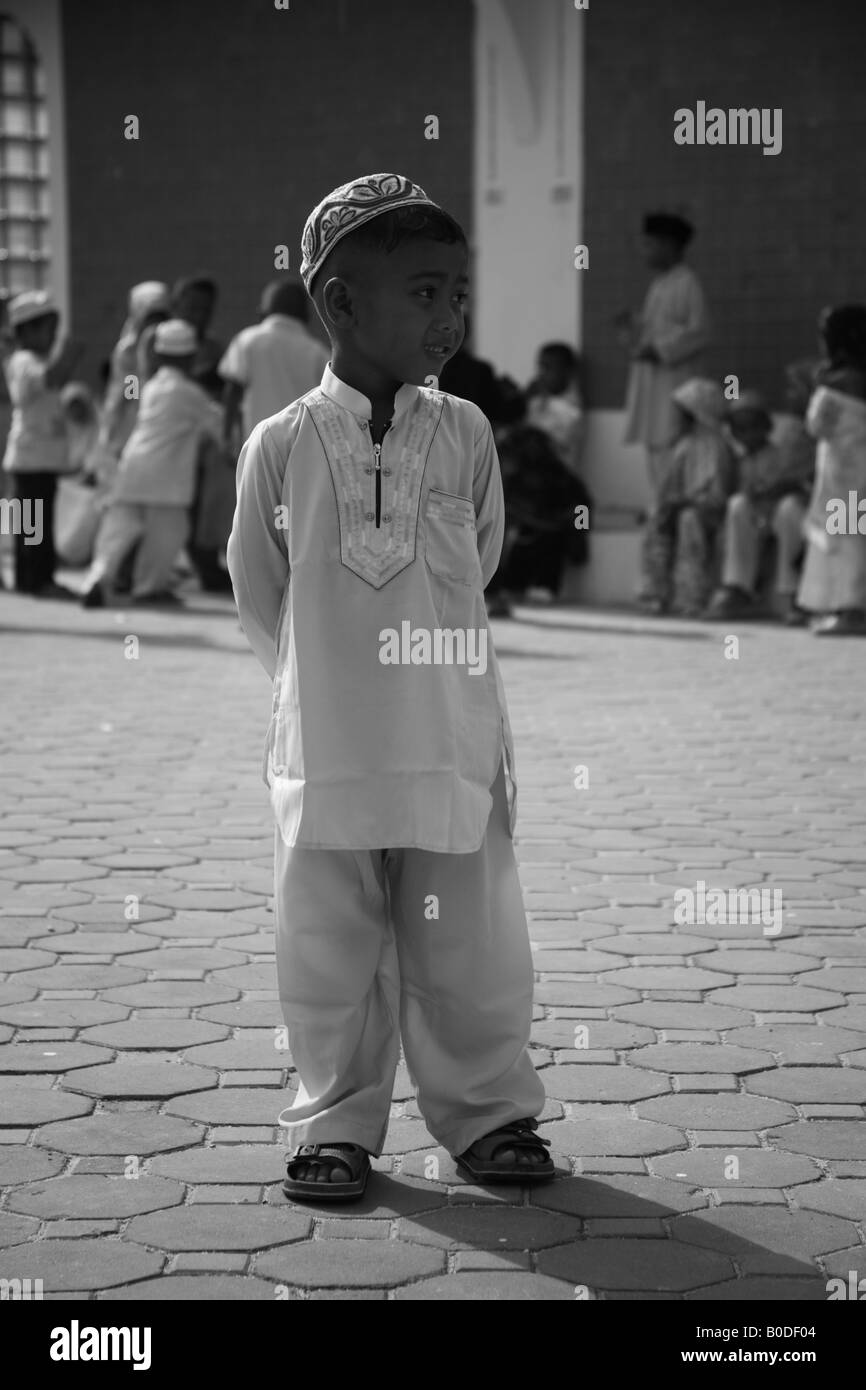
[480, 1159]
[351, 1156]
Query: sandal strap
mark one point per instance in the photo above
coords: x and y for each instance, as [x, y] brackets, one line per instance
[518, 1134]
[345, 1154]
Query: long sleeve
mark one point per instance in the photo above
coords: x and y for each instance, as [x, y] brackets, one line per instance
[679, 341]
[257, 555]
[488, 498]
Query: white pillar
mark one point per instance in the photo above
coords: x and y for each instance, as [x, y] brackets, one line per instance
[528, 185]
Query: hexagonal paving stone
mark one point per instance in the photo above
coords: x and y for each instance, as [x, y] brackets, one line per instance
[203, 958]
[669, 1014]
[846, 1085]
[755, 1289]
[581, 996]
[488, 1286]
[699, 1057]
[797, 1042]
[248, 976]
[659, 1265]
[62, 1013]
[668, 977]
[95, 1197]
[757, 1168]
[854, 1016]
[246, 1013]
[221, 1226]
[841, 1197]
[491, 1227]
[652, 944]
[253, 1049]
[206, 925]
[560, 1033]
[85, 977]
[144, 1034]
[603, 1131]
[587, 1081]
[136, 1133]
[25, 1105]
[18, 931]
[204, 899]
[823, 1138]
[171, 994]
[620, 1196]
[229, 1163]
[579, 962]
[349, 1264]
[19, 1164]
[50, 1056]
[96, 943]
[756, 962]
[694, 1110]
[233, 1105]
[79, 1264]
[776, 998]
[387, 1198]
[765, 1240]
[12, 961]
[196, 1288]
[14, 1230]
[843, 1262]
[140, 1080]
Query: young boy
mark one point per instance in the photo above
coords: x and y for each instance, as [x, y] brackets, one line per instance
[770, 501]
[273, 363]
[369, 518]
[555, 405]
[153, 489]
[667, 341]
[37, 448]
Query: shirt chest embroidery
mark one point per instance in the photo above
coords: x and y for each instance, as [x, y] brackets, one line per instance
[376, 552]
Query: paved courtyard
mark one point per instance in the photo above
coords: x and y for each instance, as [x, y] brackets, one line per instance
[706, 1080]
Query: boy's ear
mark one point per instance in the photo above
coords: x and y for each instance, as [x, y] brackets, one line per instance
[337, 303]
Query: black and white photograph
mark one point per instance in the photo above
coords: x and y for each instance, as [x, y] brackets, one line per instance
[432, 668]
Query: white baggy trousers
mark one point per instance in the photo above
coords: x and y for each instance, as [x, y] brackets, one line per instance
[377, 943]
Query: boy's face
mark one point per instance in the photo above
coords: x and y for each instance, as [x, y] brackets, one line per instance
[195, 305]
[38, 335]
[406, 314]
[749, 428]
[553, 374]
[660, 252]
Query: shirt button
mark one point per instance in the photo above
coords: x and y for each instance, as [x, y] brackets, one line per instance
[368, 470]
[387, 516]
[387, 472]
[368, 516]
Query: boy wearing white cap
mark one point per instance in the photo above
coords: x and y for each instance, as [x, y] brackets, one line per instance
[153, 491]
[369, 519]
[37, 445]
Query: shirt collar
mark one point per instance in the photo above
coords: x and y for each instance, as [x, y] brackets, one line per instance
[285, 321]
[358, 403]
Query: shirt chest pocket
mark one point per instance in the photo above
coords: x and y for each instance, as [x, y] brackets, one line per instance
[451, 546]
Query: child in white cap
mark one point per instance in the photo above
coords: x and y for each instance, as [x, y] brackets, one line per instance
[153, 491]
[369, 519]
[37, 446]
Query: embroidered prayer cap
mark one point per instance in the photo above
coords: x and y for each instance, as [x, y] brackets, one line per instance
[702, 398]
[175, 338]
[750, 403]
[668, 224]
[32, 304]
[349, 207]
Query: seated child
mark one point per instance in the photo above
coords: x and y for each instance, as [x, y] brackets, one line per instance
[369, 515]
[769, 501]
[153, 490]
[681, 534]
[554, 402]
[833, 584]
[540, 500]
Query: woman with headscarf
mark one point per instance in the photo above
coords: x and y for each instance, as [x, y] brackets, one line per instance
[833, 585]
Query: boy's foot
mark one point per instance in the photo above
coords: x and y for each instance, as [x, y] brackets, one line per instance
[164, 598]
[850, 623]
[94, 597]
[729, 603]
[511, 1153]
[793, 615]
[327, 1173]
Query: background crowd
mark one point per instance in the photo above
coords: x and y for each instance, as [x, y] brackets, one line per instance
[137, 481]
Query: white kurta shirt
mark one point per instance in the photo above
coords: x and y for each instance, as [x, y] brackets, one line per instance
[674, 321]
[158, 463]
[277, 361]
[361, 753]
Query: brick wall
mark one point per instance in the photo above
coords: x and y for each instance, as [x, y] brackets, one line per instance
[778, 236]
[248, 115]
